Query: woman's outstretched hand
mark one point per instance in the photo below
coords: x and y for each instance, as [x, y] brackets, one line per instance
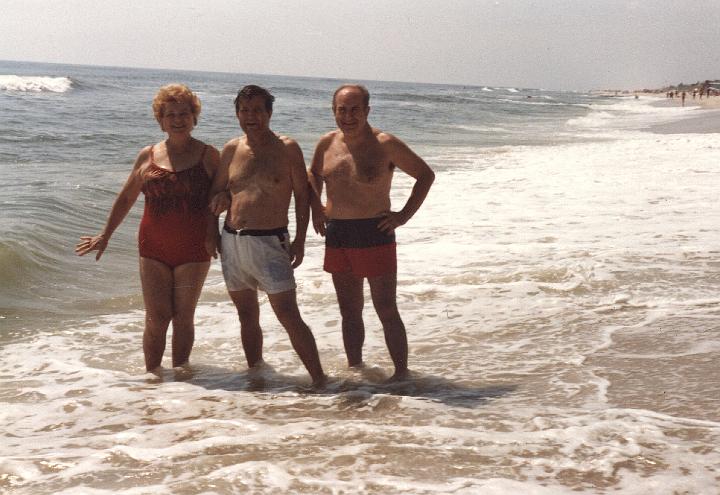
[91, 243]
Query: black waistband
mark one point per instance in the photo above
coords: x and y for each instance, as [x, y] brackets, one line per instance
[356, 233]
[256, 232]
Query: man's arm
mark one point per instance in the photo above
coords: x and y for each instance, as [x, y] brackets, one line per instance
[219, 203]
[406, 160]
[316, 181]
[212, 166]
[219, 197]
[301, 192]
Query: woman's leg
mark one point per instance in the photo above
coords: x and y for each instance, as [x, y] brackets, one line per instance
[157, 287]
[189, 279]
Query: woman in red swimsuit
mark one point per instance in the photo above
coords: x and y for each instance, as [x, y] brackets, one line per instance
[178, 233]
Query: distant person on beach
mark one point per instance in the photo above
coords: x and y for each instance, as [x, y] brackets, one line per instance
[682, 97]
[261, 171]
[356, 162]
[176, 236]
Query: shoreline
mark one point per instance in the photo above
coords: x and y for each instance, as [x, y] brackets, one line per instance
[711, 103]
[705, 118]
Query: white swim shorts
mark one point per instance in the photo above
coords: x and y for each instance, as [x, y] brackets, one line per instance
[257, 259]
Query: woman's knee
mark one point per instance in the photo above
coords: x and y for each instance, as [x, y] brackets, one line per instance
[184, 319]
[158, 317]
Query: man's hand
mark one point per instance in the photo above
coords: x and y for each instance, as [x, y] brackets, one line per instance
[219, 203]
[212, 244]
[319, 220]
[391, 220]
[297, 253]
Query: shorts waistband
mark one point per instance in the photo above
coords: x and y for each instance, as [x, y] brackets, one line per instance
[356, 233]
[256, 232]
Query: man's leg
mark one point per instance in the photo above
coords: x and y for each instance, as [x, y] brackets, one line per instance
[248, 309]
[349, 291]
[189, 279]
[157, 288]
[383, 290]
[286, 309]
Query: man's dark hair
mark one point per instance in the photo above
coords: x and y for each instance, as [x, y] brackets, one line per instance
[250, 91]
[363, 90]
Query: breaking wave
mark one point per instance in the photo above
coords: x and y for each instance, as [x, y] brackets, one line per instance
[35, 84]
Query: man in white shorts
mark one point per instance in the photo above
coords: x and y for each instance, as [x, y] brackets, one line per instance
[257, 259]
[261, 172]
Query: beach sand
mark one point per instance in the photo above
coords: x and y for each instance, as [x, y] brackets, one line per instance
[706, 120]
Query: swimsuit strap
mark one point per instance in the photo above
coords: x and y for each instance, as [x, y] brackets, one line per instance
[200, 161]
[202, 155]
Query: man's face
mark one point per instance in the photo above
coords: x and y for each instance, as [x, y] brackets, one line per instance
[252, 115]
[350, 111]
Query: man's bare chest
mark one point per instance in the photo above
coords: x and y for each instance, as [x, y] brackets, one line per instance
[367, 166]
[261, 170]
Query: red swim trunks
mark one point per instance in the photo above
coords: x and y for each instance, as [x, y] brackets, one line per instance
[358, 247]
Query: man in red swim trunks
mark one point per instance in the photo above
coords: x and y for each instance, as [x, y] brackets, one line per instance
[356, 162]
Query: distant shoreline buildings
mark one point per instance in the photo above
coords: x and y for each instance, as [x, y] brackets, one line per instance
[708, 87]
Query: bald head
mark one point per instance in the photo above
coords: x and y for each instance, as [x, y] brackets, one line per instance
[353, 88]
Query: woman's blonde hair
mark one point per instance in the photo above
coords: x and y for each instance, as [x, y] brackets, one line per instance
[175, 93]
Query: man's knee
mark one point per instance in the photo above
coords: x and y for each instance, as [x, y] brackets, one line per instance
[387, 311]
[384, 294]
[351, 310]
[246, 314]
[284, 305]
[351, 307]
[288, 314]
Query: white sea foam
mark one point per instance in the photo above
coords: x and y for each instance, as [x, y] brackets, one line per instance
[479, 128]
[35, 84]
[628, 114]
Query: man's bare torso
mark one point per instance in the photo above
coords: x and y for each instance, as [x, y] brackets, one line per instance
[260, 185]
[358, 178]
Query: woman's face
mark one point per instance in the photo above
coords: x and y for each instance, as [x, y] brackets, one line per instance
[177, 118]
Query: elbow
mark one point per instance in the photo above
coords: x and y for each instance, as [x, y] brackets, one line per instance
[429, 177]
[123, 201]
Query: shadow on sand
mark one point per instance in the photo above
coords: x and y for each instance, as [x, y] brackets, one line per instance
[354, 385]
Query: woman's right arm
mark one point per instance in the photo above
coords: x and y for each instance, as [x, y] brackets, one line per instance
[120, 208]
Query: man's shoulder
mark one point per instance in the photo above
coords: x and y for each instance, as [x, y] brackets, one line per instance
[328, 138]
[384, 137]
[233, 143]
[287, 141]
[289, 146]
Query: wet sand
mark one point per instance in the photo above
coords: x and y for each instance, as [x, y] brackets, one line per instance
[705, 121]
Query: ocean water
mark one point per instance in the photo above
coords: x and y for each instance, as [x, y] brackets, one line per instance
[559, 286]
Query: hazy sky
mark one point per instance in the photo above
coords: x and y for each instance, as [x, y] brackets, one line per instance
[551, 44]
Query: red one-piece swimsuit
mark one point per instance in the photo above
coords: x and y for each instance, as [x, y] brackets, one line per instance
[174, 223]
